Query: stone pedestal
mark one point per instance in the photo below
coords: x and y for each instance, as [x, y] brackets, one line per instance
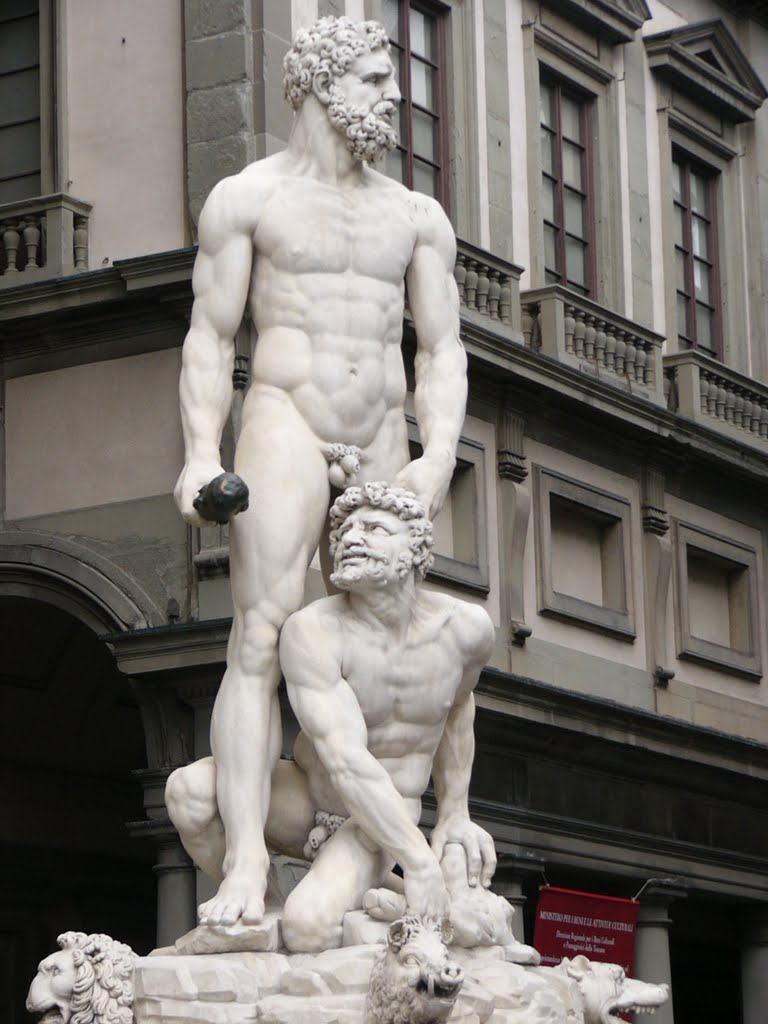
[652, 943]
[754, 967]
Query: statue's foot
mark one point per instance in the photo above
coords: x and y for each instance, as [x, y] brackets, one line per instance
[238, 899]
[384, 904]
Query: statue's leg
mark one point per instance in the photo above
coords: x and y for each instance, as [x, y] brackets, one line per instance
[190, 796]
[271, 545]
[346, 867]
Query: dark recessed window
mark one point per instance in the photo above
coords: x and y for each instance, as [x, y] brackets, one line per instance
[566, 165]
[19, 101]
[696, 265]
[417, 33]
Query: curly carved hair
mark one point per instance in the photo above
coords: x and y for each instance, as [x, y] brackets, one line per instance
[329, 46]
[404, 504]
[103, 989]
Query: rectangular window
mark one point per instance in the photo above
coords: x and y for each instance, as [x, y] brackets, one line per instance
[20, 163]
[566, 173]
[416, 31]
[696, 265]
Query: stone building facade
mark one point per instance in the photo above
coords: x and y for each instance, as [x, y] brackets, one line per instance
[605, 166]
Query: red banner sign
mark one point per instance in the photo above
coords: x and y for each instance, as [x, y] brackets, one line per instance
[601, 928]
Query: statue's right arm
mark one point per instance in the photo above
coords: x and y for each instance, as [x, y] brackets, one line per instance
[330, 717]
[220, 283]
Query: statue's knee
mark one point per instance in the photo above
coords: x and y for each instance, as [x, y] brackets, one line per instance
[190, 799]
[306, 927]
[176, 795]
[256, 647]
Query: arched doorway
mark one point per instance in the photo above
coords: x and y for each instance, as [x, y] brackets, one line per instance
[71, 735]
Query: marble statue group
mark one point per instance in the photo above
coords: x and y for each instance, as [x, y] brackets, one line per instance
[319, 248]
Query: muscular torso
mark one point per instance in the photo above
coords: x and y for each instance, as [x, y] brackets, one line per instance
[405, 696]
[327, 300]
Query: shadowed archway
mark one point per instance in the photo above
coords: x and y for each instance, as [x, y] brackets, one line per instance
[70, 735]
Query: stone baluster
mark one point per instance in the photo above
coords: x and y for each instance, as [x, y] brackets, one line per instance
[730, 402]
[11, 239]
[720, 397]
[747, 413]
[712, 396]
[494, 289]
[579, 331]
[600, 340]
[703, 391]
[505, 299]
[80, 241]
[641, 364]
[610, 348]
[569, 324]
[483, 285]
[653, 353]
[621, 348]
[460, 273]
[530, 313]
[30, 233]
[757, 412]
[764, 421]
[738, 407]
[589, 338]
[470, 284]
[630, 357]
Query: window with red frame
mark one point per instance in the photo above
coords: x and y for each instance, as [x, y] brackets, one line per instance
[697, 275]
[416, 32]
[566, 170]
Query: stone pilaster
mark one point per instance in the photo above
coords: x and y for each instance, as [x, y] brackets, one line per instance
[652, 962]
[514, 514]
[176, 888]
[754, 966]
[235, 109]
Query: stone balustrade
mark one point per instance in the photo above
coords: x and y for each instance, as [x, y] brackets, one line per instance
[578, 332]
[710, 393]
[489, 290]
[42, 237]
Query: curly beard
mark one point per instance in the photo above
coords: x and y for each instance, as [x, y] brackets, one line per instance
[369, 135]
[373, 572]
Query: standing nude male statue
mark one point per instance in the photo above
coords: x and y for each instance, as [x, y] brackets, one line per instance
[381, 678]
[318, 245]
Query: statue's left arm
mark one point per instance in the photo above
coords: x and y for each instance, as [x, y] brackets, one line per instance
[452, 767]
[441, 362]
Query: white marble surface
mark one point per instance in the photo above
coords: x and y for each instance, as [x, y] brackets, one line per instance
[381, 679]
[317, 246]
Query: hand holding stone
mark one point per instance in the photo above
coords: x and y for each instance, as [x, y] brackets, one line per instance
[222, 498]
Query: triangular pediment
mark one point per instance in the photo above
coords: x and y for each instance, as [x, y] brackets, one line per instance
[617, 21]
[706, 63]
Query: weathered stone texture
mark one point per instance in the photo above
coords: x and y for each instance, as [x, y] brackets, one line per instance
[218, 112]
[217, 60]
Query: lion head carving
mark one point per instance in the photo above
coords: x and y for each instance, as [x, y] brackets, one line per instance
[88, 981]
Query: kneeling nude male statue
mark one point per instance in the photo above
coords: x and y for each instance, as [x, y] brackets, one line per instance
[381, 679]
[318, 245]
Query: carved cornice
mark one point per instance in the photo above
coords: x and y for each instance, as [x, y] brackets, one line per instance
[170, 648]
[722, 757]
[705, 62]
[617, 21]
